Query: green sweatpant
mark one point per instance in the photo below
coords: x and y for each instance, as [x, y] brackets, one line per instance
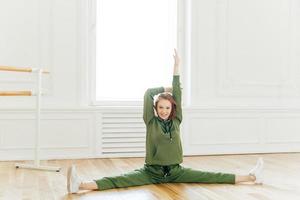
[154, 174]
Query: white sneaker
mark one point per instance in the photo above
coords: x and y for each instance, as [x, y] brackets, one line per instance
[257, 171]
[73, 181]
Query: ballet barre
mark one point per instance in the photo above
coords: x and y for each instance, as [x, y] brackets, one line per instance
[38, 93]
[16, 93]
[21, 69]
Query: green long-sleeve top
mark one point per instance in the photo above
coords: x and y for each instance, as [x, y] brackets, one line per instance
[163, 144]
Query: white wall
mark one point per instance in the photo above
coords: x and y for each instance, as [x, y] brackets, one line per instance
[246, 53]
[245, 76]
[244, 80]
[41, 34]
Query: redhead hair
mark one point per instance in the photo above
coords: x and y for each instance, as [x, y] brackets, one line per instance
[167, 96]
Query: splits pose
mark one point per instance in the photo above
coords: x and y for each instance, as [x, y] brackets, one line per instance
[162, 116]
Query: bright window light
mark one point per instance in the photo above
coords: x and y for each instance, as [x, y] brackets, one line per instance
[135, 41]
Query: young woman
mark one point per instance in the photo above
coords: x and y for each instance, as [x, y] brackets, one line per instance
[162, 116]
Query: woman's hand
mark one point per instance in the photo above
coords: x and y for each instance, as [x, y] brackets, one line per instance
[176, 63]
[169, 89]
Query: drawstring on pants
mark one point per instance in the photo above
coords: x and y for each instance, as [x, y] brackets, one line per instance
[166, 171]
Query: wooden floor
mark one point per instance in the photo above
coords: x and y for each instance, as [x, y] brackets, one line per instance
[282, 180]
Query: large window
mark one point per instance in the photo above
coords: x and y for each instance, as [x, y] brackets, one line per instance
[135, 41]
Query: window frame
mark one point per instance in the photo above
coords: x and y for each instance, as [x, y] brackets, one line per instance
[183, 45]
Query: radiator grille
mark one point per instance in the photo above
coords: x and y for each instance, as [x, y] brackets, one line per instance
[123, 134]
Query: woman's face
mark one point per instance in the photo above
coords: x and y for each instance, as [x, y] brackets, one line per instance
[164, 108]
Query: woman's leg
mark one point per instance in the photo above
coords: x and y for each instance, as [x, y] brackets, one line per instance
[187, 175]
[88, 185]
[135, 178]
[190, 175]
[246, 178]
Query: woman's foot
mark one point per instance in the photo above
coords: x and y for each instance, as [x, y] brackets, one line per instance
[73, 181]
[257, 171]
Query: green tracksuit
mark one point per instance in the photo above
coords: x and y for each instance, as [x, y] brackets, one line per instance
[163, 151]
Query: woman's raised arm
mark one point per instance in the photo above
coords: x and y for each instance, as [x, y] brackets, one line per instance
[176, 86]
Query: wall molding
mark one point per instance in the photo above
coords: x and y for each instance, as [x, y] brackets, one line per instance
[230, 87]
[215, 130]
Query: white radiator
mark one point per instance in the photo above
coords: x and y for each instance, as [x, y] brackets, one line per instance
[123, 134]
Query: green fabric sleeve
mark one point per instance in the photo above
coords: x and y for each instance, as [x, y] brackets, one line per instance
[148, 103]
[177, 96]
